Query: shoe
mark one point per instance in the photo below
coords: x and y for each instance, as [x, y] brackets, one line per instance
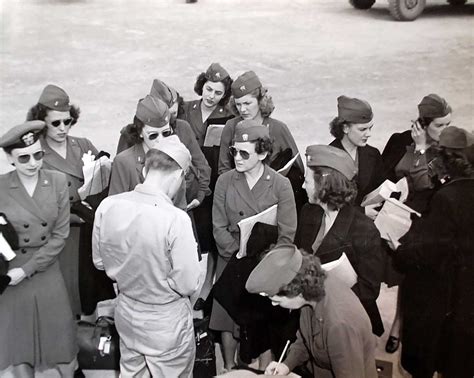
[199, 305]
[392, 344]
[78, 373]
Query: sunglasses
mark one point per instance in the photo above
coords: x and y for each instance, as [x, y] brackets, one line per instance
[23, 159]
[66, 122]
[234, 151]
[165, 134]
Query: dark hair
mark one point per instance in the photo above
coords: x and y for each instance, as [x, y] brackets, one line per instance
[39, 112]
[336, 127]
[309, 282]
[265, 102]
[455, 162]
[158, 160]
[202, 79]
[135, 129]
[262, 145]
[425, 121]
[333, 188]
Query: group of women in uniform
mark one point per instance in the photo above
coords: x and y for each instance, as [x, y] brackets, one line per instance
[233, 179]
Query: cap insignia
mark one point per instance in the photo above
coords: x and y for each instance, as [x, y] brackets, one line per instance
[28, 139]
[218, 75]
[308, 157]
[242, 88]
[166, 118]
[56, 103]
[245, 137]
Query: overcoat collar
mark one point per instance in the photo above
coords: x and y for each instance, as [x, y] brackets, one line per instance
[72, 165]
[253, 197]
[31, 204]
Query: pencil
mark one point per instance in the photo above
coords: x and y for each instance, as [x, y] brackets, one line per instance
[281, 357]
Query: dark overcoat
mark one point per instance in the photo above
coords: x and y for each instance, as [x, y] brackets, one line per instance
[356, 235]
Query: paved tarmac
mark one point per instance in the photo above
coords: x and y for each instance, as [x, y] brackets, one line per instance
[105, 54]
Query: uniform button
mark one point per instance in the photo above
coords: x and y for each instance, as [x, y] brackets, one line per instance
[71, 198]
[69, 183]
[23, 250]
[26, 225]
[44, 224]
[241, 213]
[26, 240]
[43, 238]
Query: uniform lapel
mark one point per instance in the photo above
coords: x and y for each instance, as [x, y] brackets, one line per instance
[244, 192]
[22, 198]
[337, 235]
[195, 114]
[139, 154]
[218, 112]
[70, 164]
[263, 186]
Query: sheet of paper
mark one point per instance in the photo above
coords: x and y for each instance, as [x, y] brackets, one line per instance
[213, 135]
[395, 219]
[342, 269]
[96, 176]
[284, 171]
[5, 249]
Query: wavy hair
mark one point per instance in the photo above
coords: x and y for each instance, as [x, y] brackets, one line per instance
[202, 79]
[265, 102]
[39, 112]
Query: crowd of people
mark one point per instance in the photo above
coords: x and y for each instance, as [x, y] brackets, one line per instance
[184, 176]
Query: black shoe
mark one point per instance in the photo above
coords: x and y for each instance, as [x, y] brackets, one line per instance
[392, 344]
[199, 305]
[78, 373]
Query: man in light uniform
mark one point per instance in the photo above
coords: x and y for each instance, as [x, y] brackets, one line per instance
[147, 246]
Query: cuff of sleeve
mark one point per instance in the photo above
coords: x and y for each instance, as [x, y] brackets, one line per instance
[29, 268]
[200, 196]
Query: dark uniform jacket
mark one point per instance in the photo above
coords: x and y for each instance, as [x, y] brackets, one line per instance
[356, 235]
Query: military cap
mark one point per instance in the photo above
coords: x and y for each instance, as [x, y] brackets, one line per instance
[55, 98]
[23, 135]
[456, 138]
[319, 155]
[354, 110]
[153, 112]
[277, 268]
[176, 150]
[163, 92]
[215, 72]
[433, 106]
[249, 131]
[245, 83]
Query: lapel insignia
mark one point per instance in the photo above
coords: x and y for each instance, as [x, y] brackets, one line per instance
[45, 182]
[194, 106]
[267, 178]
[28, 139]
[221, 110]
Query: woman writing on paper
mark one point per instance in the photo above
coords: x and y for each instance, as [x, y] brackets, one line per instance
[34, 308]
[332, 228]
[247, 190]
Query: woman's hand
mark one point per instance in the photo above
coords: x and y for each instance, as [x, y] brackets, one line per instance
[17, 275]
[275, 368]
[372, 210]
[418, 135]
[194, 203]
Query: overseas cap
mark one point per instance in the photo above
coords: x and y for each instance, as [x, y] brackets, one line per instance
[176, 150]
[153, 112]
[433, 106]
[23, 135]
[277, 269]
[54, 98]
[455, 137]
[163, 92]
[245, 84]
[319, 155]
[249, 131]
[354, 110]
[216, 72]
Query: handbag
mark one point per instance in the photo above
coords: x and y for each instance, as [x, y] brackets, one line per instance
[98, 345]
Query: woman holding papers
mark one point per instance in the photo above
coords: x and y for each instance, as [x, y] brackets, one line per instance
[437, 256]
[247, 190]
[64, 153]
[352, 128]
[37, 329]
[332, 228]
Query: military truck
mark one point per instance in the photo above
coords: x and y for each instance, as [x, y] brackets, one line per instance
[402, 10]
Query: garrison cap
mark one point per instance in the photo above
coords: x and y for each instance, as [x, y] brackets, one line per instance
[55, 98]
[153, 112]
[215, 72]
[319, 155]
[245, 84]
[176, 150]
[354, 110]
[163, 92]
[249, 131]
[23, 135]
[278, 268]
[456, 138]
[433, 106]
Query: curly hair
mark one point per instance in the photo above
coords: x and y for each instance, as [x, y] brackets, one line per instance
[336, 127]
[455, 162]
[39, 112]
[265, 102]
[309, 282]
[202, 79]
[333, 188]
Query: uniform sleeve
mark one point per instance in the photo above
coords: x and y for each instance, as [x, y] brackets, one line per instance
[185, 270]
[119, 178]
[200, 163]
[297, 353]
[49, 252]
[419, 173]
[225, 162]
[96, 256]
[286, 213]
[226, 243]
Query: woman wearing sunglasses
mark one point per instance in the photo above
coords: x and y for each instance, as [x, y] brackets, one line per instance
[240, 193]
[34, 308]
[64, 153]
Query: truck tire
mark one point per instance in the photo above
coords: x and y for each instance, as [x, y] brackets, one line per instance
[457, 3]
[362, 4]
[406, 10]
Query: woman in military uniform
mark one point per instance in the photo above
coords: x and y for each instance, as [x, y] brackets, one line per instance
[35, 309]
[240, 193]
